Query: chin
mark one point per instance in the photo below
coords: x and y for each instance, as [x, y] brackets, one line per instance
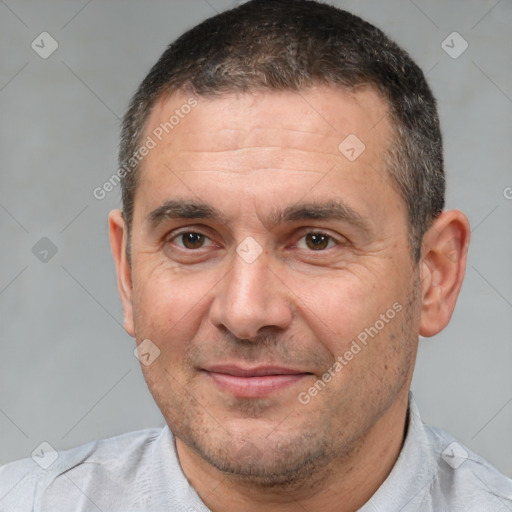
[281, 459]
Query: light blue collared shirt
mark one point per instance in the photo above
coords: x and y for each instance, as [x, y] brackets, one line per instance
[140, 471]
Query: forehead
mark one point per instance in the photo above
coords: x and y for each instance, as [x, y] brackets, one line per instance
[263, 143]
[321, 115]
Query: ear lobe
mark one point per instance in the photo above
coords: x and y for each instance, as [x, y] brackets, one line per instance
[118, 240]
[443, 265]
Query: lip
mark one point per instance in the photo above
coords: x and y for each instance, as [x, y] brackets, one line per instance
[253, 382]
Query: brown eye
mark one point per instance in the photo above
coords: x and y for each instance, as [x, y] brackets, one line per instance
[317, 241]
[191, 240]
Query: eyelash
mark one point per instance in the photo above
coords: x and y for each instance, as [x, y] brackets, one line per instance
[312, 232]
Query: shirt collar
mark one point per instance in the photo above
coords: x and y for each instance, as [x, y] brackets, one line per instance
[414, 470]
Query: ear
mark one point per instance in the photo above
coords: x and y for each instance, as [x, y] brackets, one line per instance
[118, 240]
[443, 264]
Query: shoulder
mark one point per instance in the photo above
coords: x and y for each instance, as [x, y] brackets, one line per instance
[464, 478]
[23, 482]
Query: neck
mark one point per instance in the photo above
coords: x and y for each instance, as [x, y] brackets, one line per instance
[343, 485]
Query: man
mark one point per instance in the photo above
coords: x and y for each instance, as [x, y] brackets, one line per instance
[281, 247]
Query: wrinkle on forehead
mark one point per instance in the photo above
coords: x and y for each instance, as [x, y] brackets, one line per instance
[240, 139]
[319, 117]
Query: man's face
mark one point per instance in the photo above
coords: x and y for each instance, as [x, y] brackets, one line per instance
[263, 254]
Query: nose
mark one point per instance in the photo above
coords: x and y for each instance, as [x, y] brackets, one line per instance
[251, 298]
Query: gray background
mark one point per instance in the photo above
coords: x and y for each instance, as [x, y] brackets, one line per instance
[67, 371]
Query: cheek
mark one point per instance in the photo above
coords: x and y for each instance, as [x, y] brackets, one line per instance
[168, 305]
[364, 328]
[338, 307]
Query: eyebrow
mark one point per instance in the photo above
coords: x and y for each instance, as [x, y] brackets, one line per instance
[183, 209]
[330, 210]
